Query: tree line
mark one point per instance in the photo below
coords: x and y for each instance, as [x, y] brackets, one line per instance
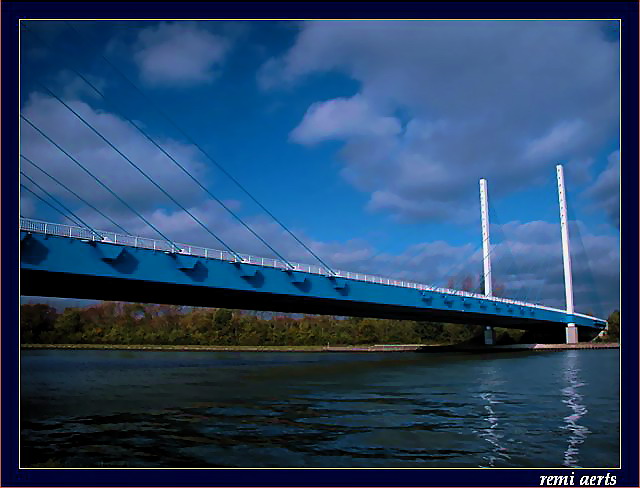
[137, 323]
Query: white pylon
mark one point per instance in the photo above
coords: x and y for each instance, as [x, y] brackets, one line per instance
[571, 332]
[486, 244]
[489, 335]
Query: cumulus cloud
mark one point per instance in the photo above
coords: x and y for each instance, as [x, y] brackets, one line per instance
[501, 100]
[343, 118]
[66, 130]
[527, 264]
[101, 160]
[179, 53]
[559, 138]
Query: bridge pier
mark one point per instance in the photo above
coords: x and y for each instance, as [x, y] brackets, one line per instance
[572, 334]
[489, 336]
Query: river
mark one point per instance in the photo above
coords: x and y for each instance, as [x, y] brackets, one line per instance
[228, 409]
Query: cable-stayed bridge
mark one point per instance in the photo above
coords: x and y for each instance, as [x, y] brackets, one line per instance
[79, 261]
[68, 261]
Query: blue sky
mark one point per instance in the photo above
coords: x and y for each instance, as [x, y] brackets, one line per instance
[366, 138]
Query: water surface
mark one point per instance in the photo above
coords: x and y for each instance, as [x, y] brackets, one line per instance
[228, 409]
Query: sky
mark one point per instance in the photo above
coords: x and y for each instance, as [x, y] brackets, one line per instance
[366, 138]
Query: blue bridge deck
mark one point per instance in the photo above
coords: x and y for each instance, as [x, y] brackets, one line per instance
[65, 261]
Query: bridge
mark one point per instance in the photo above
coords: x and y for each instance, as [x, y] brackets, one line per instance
[79, 262]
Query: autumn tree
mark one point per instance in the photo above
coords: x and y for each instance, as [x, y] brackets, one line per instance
[36, 320]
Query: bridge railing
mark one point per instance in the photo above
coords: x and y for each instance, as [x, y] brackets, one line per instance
[64, 230]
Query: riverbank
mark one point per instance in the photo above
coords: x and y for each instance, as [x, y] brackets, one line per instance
[522, 347]
[328, 348]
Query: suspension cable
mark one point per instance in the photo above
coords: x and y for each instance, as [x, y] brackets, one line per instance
[75, 194]
[98, 180]
[60, 203]
[24, 187]
[204, 152]
[515, 269]
[147, 177]
[184, 170]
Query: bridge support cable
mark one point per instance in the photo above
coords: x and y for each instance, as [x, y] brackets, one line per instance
[458, 269]
[210, 158]
[98, 180]
[594, 297]
[57, 210]
[454, 271]
[581, 258]
[147, 177]
[467, 271]
[403, 262]
[533, 293]
[408, 259]
[509, 259]
[75, 194]
[186, 172]
[182, 168]
[572, 333]
[63, 206]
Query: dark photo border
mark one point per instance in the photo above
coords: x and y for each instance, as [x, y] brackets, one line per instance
[11, 475]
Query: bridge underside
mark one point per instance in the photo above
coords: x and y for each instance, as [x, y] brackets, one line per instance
[65, 285]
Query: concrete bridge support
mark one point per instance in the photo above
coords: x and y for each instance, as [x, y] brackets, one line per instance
[572, 334]
[489, 336]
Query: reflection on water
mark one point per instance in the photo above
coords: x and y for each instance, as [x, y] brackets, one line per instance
[573, 399]
[142, 409]
[492, 433]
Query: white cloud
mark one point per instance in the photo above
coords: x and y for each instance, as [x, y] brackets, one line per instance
[559, 139]
[527, 263]
[501, 100]
[179, 53]
[343, 118]
[65, 129]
